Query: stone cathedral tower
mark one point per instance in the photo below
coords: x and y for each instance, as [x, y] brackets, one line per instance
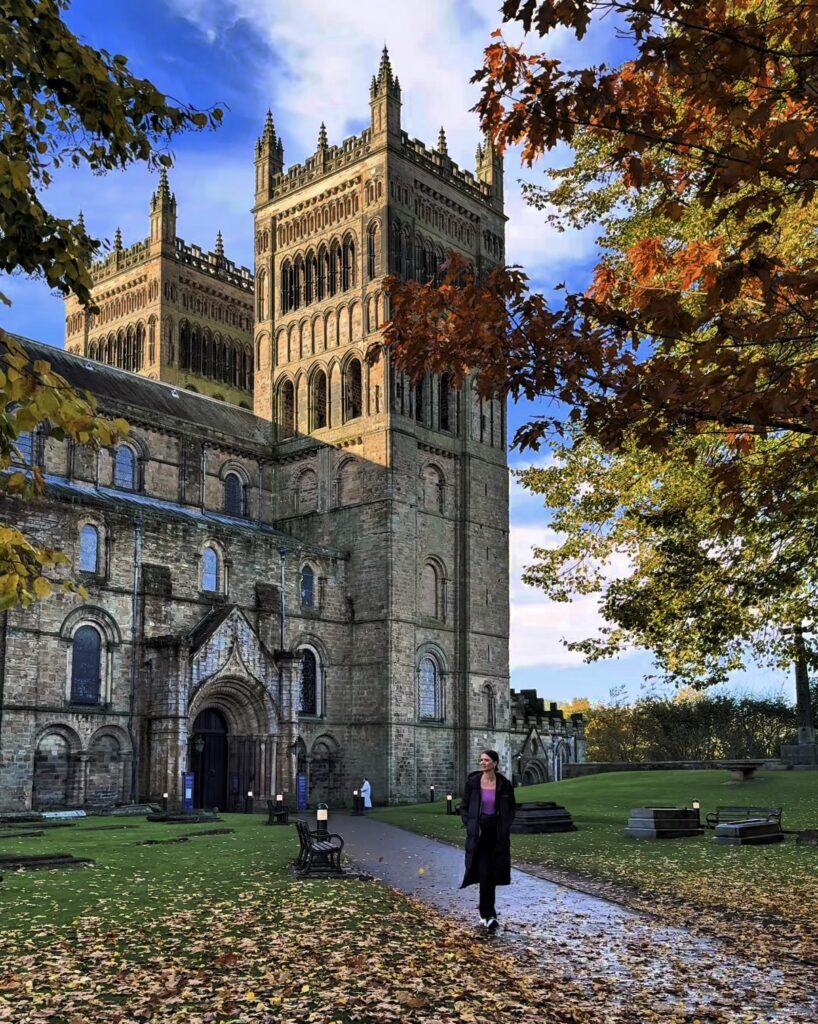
[169, 311]
[411, 480]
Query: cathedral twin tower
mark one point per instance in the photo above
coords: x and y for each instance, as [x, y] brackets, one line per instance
[392, 495]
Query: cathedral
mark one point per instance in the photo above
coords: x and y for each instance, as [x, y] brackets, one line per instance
[295, 565]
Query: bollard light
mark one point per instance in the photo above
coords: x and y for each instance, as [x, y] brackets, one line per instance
[321, 817]
[449, 804]
[279, 798]
[164, 801]
[431, 794]
[696, 805]
[248, 802]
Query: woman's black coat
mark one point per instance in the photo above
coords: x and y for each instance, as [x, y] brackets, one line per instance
[505, 805]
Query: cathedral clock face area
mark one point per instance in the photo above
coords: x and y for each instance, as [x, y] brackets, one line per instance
[296, 563]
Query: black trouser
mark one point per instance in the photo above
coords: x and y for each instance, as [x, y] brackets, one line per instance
[485, 865]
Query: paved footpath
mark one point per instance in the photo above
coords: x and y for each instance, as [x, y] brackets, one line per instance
[613, 950]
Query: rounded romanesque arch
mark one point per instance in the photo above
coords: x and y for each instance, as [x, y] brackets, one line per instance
[56, 768]
[107, 773]
[326, 775]
[232, 738]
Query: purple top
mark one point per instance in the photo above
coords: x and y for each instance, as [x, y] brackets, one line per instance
[487, 800]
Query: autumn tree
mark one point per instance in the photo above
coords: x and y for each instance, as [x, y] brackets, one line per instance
[62, 104]
[686, 371]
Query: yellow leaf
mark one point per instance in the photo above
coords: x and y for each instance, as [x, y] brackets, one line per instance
[42, 588]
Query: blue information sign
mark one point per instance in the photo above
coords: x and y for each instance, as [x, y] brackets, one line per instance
[301, 794]
[187, 790]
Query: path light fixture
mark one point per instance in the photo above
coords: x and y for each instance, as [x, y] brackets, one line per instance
[164, 801]
[449, 804]
[248, 802]
[697, 807]
[356, 803]
[431, 794]
[321, 818]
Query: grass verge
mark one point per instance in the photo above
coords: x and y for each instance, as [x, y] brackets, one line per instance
[765, 895]
[216, 930]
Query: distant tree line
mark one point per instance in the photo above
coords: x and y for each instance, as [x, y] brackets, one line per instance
[690, 726]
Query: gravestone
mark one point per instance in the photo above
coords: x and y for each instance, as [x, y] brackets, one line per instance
[754, 832]
[535, 818]
[664, 823]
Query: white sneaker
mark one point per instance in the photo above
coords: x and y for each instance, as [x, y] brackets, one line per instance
[492, 924]
[484, 922]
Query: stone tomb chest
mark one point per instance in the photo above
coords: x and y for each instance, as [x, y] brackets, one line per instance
[664, 823]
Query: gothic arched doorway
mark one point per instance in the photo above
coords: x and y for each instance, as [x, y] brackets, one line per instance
[208, 755]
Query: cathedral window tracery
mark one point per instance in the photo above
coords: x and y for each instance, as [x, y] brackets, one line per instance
[310, 689]
[430, 703]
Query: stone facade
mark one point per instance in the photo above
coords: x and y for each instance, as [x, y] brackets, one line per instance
[544, 745]
[294, 596]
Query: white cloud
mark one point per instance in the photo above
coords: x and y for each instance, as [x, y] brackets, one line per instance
[323, 54]
[538, 625]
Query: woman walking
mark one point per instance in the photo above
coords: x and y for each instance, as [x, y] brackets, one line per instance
[487, 809]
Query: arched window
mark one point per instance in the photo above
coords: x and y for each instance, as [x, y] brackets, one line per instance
[308, 703]
[307, 587]
[372, 240]
[306, 492]
[322, 270]
[420, 401]
[184, 345]
[428, 591]
[333, 268]
[139, 347]
[211, 581]
[309, 277]
[86, 666]
[285, 287]
[490, 698]
[89, 548]
[430, 705]
[353, 390]
[286, 409]
[444, 401]
[319, 400]
[434, 489]
[125, 468]
[234, 503]
[348, 265]
[261, 295]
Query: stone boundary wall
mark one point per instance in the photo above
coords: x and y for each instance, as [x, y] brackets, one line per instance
[576, 771]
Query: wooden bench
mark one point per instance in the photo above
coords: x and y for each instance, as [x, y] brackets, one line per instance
[319, 852]
[723, 815]
[277, 814]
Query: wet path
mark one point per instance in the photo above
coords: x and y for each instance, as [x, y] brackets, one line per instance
[642, 969]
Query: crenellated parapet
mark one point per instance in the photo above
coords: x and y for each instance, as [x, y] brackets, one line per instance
[215, 264]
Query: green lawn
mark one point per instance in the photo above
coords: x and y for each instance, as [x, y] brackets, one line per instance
[217, 930]
[773, 884]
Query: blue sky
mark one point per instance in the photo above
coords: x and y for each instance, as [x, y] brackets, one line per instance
[311, 61]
